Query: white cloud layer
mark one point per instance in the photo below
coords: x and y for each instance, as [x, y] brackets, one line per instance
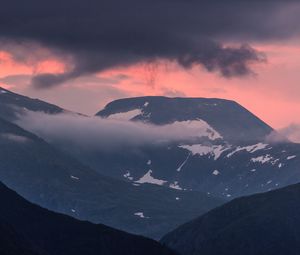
[95, 133]
[291, 133]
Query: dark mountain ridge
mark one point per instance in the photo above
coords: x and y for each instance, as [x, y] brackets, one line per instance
[12, 104]
[27, 229]
[262, 224]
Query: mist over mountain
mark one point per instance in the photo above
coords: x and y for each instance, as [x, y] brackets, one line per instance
[47, 176]
[176, 129]
[90, 134]
[210, 145]
[154, 166]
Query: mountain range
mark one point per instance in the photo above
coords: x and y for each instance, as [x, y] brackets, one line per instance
[48, 177]
[198, 191]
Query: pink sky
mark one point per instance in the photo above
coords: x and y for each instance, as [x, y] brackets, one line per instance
[273, 94]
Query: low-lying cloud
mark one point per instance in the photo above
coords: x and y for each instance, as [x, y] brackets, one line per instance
[81, 133]
[289, 133]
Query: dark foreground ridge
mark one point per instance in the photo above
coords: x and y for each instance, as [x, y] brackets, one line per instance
[27, 229]
[263, 224]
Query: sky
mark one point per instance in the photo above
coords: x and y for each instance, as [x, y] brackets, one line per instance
[82, 54]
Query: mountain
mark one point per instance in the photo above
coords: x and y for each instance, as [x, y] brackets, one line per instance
[11, 243]
[12, 104]
[229, 157]
[231, 120]
[27, 229]
[48, 177]
[262, 224]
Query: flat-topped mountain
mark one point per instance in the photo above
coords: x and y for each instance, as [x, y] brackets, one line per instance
[231, 157]
[232, 121]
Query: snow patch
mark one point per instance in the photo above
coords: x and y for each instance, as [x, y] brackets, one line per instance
[146, 104]
[147, 178]
[184, 162]
[202, 150]
[141, 215]
[264, 159]
[128, 176]
[215, 172]
[74, 177]
[175, 185]
[125, 115]
[200, 128]
[291, 157]
[250, 148]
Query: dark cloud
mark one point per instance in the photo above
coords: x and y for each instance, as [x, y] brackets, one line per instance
[24, 79]
[96, 91]
[95, 35]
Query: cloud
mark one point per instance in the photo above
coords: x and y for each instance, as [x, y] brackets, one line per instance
[172, 92]
[289, 133]
[85, 134]
[95, 90]
[292, 132]
[98, 35]
[14, 138]
[18, 79]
